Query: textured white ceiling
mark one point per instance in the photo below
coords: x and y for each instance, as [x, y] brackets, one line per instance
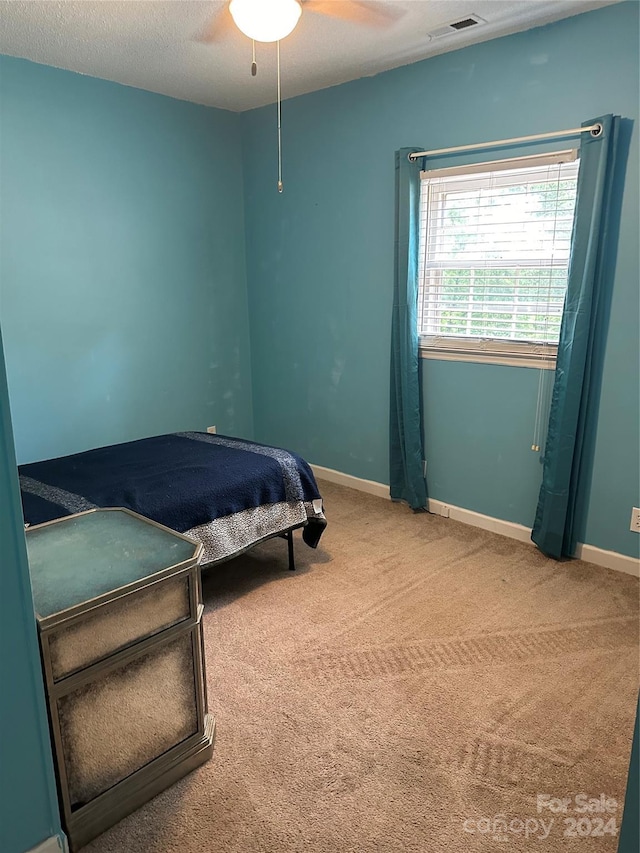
[151, 44]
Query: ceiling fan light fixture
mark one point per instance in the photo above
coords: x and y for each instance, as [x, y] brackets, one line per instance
[266, 20]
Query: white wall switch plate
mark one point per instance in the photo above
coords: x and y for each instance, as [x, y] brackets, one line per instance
[212, 430]
[635, 519]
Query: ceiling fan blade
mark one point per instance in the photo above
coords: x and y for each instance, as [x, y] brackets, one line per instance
[370, 14]
[217, 27]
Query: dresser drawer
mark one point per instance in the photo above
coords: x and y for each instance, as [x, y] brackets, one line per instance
[128, 715]
[107, 628]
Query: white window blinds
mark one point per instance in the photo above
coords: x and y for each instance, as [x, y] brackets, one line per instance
[494, 251]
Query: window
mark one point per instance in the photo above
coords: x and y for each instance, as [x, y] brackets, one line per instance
[495, 241]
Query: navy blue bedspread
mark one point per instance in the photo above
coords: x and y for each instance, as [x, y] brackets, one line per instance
[181, 480]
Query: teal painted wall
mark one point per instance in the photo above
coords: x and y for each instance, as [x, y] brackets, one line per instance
[629, 841]
[28, 800]
[490, 411]
[320, 270]
[122, 280]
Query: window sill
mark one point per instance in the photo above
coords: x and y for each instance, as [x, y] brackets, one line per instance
[510, 360]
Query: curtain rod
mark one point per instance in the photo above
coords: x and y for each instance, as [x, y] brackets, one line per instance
[594, 129]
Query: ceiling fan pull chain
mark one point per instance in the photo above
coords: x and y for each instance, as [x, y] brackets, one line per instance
[280, 187]
[254, 65]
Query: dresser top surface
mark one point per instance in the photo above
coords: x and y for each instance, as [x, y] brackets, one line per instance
[80, 558]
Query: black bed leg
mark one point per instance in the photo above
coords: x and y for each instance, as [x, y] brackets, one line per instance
[292, 559]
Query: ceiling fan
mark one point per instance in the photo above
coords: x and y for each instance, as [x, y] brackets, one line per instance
[273, 20]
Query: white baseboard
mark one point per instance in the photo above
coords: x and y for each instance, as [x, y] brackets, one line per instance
[55, 844]
[477, 519]
[588, 553]
[368, 486]
[609, 559]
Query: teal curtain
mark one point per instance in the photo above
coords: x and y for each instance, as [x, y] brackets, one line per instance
[405, 426]
[553, 529]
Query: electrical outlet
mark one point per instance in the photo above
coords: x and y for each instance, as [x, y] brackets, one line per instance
[424, 469]
[212, 430]
[635, 520]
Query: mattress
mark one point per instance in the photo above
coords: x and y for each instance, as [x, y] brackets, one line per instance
[225, 492]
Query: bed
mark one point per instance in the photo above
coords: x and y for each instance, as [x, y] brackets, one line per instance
[225, 492]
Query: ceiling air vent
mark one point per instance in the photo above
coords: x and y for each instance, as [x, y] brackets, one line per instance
[456, 26]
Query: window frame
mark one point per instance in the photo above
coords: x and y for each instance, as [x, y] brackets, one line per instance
[489, 350]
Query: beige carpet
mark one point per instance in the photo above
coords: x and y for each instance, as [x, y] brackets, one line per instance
[414, 679]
